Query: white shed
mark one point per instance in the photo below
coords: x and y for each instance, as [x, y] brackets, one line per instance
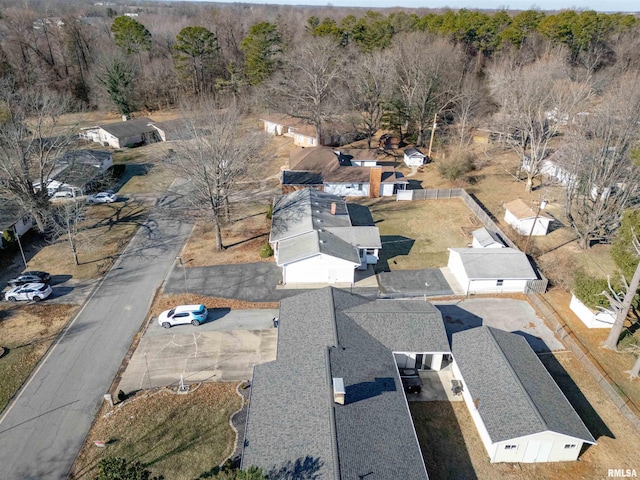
[490, 270]
[591, 318]
[521, 414]
[484, 238]
[414, 157]
[522, 217]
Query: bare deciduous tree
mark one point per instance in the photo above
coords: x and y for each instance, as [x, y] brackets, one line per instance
[215, 152]
[370, 88]
[603, 177]
[31, 143]
[66, 220]
[309, 85]
[536, 99]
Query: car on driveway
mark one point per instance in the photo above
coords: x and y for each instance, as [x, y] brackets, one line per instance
[30, 277]
[30, 291]
[183, 314]
[102, 197]
[411, 381]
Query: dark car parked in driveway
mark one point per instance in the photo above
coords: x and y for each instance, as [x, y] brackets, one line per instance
[411, 381]
[30, 277]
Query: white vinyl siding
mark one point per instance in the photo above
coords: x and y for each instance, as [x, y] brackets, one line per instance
[319, 269]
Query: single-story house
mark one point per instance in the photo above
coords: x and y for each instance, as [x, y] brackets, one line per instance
[122, 134]
[521, 414]
[491, 270]
[14, 219]
[305, 135]
[414, 157]
[315, 241]
[521, 217]
[591, 318]
[485, 238]
[344, 172]
[551, 168]
[332, 405]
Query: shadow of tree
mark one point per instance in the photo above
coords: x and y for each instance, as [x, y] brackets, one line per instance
[306, 468]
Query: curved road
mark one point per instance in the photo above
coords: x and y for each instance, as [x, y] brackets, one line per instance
[42, 431]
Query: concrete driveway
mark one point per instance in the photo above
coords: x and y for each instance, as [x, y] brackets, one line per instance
[515, 316]
[224, 349]
[415, 282]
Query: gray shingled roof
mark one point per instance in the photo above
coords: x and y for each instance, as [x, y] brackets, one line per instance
[86, 157]
[362, 237]
[486, 237]
[495, 263]
[516, 395]
[305, 210]
[296, 177]
[292, 415]
[130, 128]
[10, 213]
[314, 243]
[414, 152]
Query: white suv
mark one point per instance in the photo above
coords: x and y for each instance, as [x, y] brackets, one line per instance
[183, 314]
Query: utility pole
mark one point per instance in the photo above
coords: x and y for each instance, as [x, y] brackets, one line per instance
[433, 132]
[541, 205]
[15, 232]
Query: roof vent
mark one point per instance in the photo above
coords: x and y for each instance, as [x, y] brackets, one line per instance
[338, 390]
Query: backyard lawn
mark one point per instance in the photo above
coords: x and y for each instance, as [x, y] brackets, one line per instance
[416, 234]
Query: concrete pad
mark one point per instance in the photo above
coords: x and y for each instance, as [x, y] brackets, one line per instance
[429, 281]
[218, 350]
[516, 316]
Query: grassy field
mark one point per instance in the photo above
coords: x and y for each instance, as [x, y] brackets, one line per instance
[417, 234]
[182, 437]
[26, 332]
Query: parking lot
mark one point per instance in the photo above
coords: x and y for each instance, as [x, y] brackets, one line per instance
[224, 348]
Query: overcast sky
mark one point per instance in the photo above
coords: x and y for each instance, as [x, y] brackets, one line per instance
[598, 5]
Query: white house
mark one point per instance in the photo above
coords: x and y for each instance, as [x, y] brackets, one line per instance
[522, 217]
[344, 172]
[14, 219]
[314, 240]
[591, 318]
[551, 168]
[490, 270]
[484, 238]
[521, 414]
[303, 134]
[414, 157]
[122, 134]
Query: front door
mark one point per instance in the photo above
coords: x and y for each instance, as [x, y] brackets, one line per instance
[419, 361]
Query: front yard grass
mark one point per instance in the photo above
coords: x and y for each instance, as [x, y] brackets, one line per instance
[179, 436]
[26, 331]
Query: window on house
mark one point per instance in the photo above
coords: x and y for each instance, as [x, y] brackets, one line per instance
[570, 445]
[499, 283]
[510, 447]
[360, 186]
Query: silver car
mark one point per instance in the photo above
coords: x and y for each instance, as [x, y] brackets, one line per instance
[102, 197]
[30, 291]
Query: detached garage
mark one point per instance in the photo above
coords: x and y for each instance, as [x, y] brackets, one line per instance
[520, 412]
[491, 270]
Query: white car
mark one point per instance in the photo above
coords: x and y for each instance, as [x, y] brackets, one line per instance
[102, 197]
[183, 314]
[30, 291]
[63, 194]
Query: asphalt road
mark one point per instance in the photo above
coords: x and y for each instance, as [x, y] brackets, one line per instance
[43, 430]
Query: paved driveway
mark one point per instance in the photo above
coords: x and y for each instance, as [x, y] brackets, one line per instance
[515, 316]
[251, 282]
[225, 349]
[415, 282]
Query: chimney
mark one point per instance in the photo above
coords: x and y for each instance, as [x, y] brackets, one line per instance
[338, 390]
[375, 179]
[333, 208]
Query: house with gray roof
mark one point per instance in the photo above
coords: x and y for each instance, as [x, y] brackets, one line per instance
[332, 405]
[122, 134]
[315, 241]
[14, 219]
[520, 412]
[490, 270]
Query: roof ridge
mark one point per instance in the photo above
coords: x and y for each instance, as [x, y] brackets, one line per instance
[516, 376]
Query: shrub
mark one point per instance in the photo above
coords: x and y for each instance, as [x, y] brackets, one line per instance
[456, 168]
[266, 251]
[269, 212]
[589, 289]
